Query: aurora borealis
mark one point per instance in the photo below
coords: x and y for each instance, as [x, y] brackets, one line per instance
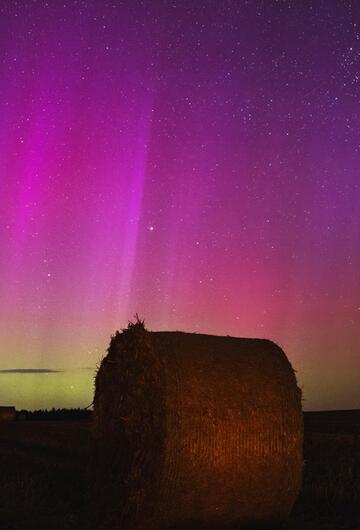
[195, 162]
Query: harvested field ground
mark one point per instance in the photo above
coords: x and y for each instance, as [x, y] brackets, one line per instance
[43, 474]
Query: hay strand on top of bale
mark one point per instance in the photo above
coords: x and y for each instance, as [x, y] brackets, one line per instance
[195, 431]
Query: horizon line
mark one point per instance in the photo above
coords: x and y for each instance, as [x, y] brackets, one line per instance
[42, 370]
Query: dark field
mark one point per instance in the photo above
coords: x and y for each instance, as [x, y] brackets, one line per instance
[43, 474]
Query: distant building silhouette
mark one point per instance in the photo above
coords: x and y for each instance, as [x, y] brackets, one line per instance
[7, 414]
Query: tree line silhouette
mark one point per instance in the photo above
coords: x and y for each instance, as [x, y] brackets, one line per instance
[54, 414]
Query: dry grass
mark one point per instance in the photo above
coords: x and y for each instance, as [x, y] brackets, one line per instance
[330, 497]
[43, 487]
[43, 475]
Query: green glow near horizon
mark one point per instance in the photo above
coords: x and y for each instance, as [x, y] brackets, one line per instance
[68, 389]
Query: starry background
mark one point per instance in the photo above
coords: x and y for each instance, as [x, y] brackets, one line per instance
[193, 161]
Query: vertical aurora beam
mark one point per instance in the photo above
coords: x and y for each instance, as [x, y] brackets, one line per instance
[133, 221]
[232, 130]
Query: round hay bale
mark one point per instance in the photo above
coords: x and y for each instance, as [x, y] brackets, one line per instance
[194, 431]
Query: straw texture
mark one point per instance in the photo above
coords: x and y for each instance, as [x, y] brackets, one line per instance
[194, 431]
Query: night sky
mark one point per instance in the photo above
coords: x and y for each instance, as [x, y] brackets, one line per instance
[196, 162]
